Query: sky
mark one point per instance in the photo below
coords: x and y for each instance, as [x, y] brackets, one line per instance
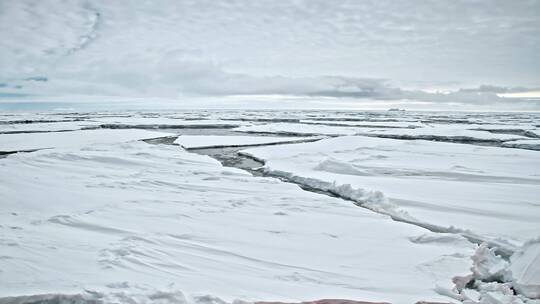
[475, 52]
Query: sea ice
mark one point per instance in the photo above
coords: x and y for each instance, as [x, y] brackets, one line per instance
[207, 141]
[36, 141]
[531, 144]
[486, 192]
[132, 217]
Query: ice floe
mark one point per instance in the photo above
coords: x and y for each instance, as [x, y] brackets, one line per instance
[164, 122]
[36, 141]
[213, 141]
[373, 124]
[125, 217]
[531, 144]
[481, 191]
[105, 217]
[46, 127]
[297, 128]
[432, 132]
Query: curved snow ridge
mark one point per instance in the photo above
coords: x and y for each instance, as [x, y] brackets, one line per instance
[439, 238]
[376, 201]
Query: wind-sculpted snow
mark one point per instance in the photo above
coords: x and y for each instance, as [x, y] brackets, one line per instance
[130, 220]
[486, 192]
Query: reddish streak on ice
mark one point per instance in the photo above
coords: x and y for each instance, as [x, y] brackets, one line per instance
[341, 301]
[326, 301]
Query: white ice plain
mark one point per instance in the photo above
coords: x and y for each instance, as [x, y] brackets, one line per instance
[135, 216]
[488, 192]
[208, 141]
[102, 216]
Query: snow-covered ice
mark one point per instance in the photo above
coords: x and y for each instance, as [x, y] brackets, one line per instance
[448, 132]
[524, 269]
[375, 124]
[164, 122]
[269, 152]
[206, 141]
[46, 127]
[432, 132]
[135, 216]
[102, 216]
[531, 144]
[297, 128]
[36, 141]
[490, 192]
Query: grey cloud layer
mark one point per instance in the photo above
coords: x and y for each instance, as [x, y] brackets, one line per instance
[233, 47]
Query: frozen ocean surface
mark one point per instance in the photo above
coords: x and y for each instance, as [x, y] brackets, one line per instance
[395, 207]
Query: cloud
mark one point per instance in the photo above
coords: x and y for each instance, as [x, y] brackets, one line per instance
[493, 41]
[372, 49]
[174, 77]
[498, 89]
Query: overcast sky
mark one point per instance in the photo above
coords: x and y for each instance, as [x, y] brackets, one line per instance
[266, 47]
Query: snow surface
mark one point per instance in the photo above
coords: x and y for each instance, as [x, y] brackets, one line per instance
[446, 132]
[531, 144]
[376, 124]
[435, 131]
[35, 141]
[206, 141]
[46, 126]
[524, 270]
[33, 117]
[132, 218]
[488, 192]
[297, 128]
[105, 217]
[157, 121]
